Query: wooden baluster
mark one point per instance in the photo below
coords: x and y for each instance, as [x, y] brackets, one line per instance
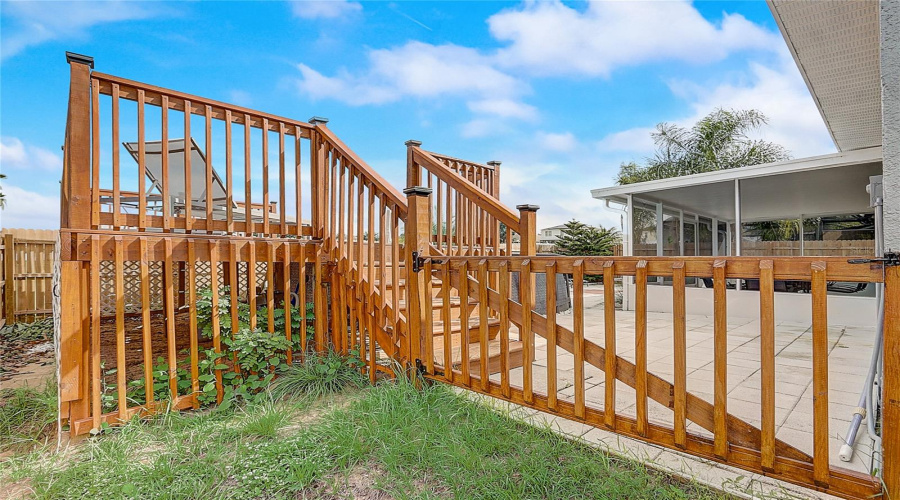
[248, 198]
[891, 376]
[680, 347]
[609, 326]
[298, 178]
[270, 287]
[164, 162]
[229, 175]
[445, 317]
[578, 326]
[640, 348]
[395, 271]
[169, 299]
[251, 281]
[234, 284]
[142, 164]
[95, 151]
[188, 177]
[483, 318]
[819, 291]
[209, 171]
[550, 282]
[767, 362]
[282, 211]
[303, 340]
[450, 223]
[464, 323]
[340, 212]
[214, 300]
[96, 403]
[370, 242]
[117, 193]
[720, 367]
[121, 367]
[382, 272]
[147, 333]
[265, 176]
[439, 213]
[286, 301]
[526, 298]
[504, 328]
[192, 312]
[428, 270]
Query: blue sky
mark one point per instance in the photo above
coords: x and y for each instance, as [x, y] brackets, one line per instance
[562, 93]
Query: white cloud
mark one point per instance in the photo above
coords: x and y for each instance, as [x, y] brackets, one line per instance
[557, 142]
[29, 210]
[38, 22]
[423, 70]
[549, 38]
[778, 91]
[14, 154]
[635, 140]
[327, 9]
[504, 108]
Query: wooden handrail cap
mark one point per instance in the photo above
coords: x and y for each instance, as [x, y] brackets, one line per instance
[412, 143]
[72, 57]
[528, 208]
[318, 119]
[417, 191]
[494, 163]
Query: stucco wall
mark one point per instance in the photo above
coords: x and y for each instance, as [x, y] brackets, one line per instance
[890, 109]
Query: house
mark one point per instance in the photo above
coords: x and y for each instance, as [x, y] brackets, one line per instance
[549, 235]
[826, 205]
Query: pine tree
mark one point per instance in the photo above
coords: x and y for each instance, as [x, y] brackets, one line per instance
[581, 239]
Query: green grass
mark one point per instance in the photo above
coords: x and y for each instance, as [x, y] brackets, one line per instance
[26, 415]
[394, 438]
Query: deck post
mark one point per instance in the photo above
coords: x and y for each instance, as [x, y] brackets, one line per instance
[495, 183]
[413, 172]
[76, 179]
[418, 231]
[890, 423]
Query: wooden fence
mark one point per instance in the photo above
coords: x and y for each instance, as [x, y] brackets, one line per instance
[418, 280]
[27, 274]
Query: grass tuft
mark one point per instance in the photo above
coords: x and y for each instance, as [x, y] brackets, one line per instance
[26, 415]
[318, 375]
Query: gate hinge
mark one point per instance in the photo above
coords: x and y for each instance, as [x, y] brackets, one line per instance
[423, 370]
[890, 259]
[418, 262]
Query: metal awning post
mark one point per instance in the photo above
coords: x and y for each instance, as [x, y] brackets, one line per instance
[738, 230]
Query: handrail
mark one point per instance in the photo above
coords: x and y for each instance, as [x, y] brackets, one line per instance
[395, 196]
[485, 177]
[467, 189]
[153, 95]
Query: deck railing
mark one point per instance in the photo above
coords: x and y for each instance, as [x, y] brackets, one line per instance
[734, 440]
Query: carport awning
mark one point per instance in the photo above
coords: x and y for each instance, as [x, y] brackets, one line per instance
[820, 185]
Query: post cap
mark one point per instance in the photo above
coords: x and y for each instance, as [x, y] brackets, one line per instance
[494, 163]
[410, 143]
[318, 119]
[528, 208]
[417, 191]
[72, 57]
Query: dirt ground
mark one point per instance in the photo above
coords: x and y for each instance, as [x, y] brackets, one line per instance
[32, 362]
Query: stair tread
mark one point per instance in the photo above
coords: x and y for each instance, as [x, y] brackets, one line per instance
[515, 346]
[456, 325]
[438, 302]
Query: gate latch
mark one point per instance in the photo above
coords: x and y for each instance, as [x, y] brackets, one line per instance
[889, 259]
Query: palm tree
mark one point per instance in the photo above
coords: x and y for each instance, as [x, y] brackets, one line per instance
[719, 141]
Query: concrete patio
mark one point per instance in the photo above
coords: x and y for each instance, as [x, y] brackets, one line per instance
[850, 349]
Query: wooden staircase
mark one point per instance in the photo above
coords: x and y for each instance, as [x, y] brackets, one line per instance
[455, 326]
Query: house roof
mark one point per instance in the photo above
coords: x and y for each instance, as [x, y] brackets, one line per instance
[820, 185]
[836, 47]
[561, 226]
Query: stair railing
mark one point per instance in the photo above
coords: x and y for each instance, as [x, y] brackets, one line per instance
[360, 218]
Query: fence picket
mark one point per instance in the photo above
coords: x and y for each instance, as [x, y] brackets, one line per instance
[609, 326]
[767, 363]
[680, 350]
[720, 366]
[820, 373]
